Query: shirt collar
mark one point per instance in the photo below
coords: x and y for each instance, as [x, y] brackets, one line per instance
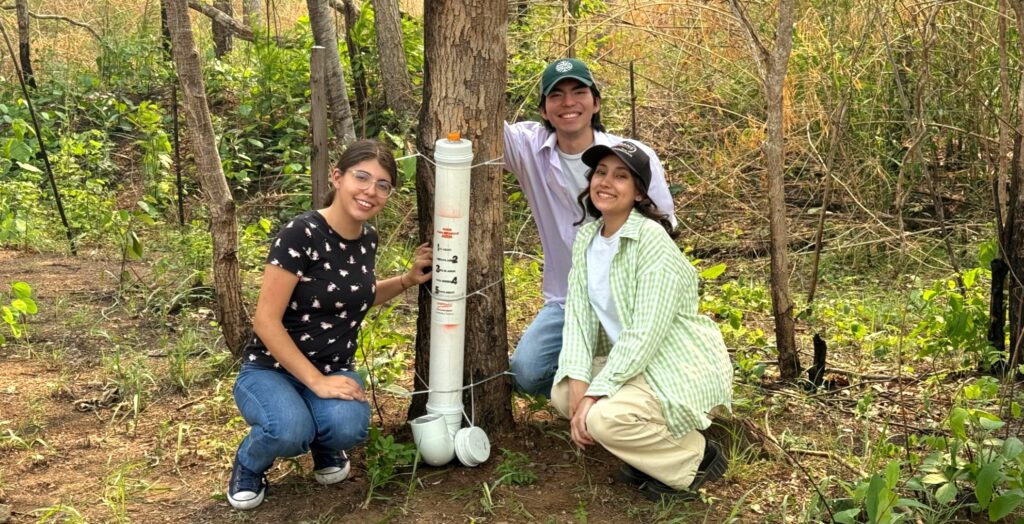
[631, 229]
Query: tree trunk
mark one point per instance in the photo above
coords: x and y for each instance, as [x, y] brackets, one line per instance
[772, 68]
[464, 89]
[394, 69]
[252, 13]
[231, 312]
[573, 11]
[24, 42]
[222, 33]
[322, 24]
[355, 59]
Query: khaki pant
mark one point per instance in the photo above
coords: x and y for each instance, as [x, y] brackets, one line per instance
[630, 426]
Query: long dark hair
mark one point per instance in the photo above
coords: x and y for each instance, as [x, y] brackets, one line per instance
[361, 151]
[645, 206]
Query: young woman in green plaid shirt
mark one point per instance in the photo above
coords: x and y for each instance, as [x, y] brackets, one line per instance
[640, 369]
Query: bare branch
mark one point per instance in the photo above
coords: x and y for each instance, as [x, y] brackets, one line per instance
[761, 54]
[44, 16]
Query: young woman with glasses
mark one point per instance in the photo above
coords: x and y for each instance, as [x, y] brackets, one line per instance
[298, 388]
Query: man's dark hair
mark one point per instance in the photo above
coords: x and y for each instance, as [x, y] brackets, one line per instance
[595, 121]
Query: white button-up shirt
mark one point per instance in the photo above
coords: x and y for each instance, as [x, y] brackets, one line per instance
[531, 156]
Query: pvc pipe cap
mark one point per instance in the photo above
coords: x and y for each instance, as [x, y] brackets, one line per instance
[472, 446]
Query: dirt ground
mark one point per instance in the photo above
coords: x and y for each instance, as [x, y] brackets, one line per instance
[63, 440]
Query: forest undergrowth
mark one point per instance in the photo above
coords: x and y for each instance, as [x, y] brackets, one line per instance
[116, 387]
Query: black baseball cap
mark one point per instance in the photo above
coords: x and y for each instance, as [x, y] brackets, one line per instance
[564, 68]
[630, 153]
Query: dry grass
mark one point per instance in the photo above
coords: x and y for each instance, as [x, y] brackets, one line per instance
[57, 42]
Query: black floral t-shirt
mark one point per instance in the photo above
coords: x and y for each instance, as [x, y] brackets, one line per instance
[336, 287]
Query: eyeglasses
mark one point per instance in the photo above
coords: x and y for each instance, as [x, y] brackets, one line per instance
[365, 180]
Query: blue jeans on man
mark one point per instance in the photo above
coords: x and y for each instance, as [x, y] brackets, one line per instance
[288, 419]
[535, 359]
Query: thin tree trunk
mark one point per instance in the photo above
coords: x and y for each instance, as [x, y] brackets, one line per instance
[24, 42]
[394, 69]
[222, 33]
[231, 312]
[355, 59]
[573, 10]
[772, 68]
[1000, 195]
[1013, 241]
[252, 13]
[464, 89]
[322, 24]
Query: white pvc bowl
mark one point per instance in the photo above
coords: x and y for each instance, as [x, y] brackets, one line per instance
[430, 434]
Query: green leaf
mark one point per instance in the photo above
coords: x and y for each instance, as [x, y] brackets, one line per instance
[3, 340]
[134, 245]
[987, 478]
[847, 517]
[990, 424]
[957, 419]
[21, 289]
[946, 493]
[713, 272]
[1015, 409]
[934, 478]
[31, 307]
[1012, 447]
[876, 499]
[19, 305]
[1003, 505]
[8, 315]
[892, 474]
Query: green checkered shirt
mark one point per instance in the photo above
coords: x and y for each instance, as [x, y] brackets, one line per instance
[679, 351]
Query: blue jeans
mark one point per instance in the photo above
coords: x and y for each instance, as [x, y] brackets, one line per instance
[535, 359]
[288, 419]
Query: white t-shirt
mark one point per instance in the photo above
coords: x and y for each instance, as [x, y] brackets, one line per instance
[599, 263]
[577, 179]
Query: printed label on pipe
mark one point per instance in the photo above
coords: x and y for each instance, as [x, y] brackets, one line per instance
[449, 272]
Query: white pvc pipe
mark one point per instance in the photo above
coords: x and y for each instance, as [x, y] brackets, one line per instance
[453, 158]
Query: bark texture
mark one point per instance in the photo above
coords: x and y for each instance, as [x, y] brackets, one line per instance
[394, 69]
[771, 66]
[24, 42]
[231, 312]
[464, 90]
[221, 32]
[322, 23]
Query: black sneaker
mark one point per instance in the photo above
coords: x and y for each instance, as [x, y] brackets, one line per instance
[330, 467]
[246, 488]
[712, 467]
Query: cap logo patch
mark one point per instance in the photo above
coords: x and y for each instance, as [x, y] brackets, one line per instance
[626, 148]
[563, 66]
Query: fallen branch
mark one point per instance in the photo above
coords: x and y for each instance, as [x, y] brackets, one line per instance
[223, 19]
[72, 21]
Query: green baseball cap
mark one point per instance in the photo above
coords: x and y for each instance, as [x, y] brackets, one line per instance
[561, 69]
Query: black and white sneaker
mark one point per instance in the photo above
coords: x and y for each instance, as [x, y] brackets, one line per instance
[246, 488]
[331, 468]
